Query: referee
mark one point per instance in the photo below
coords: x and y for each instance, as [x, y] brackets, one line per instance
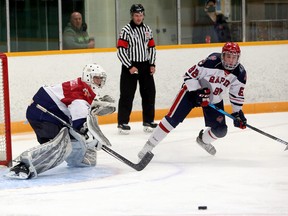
[137, 53]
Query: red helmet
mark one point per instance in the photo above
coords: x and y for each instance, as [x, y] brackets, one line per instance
[230, 48]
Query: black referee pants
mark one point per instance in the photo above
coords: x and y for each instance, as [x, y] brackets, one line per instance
[128, 86]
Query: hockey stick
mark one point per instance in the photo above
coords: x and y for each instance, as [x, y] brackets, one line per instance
[139, 166]
[251, 127]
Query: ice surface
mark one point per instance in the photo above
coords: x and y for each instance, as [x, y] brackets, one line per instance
[248, 176]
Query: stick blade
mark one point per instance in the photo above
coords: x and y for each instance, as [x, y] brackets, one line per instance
[144, 161]
[286, 148]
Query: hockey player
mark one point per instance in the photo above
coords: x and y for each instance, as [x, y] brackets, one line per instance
[76, 103]
[206, 83]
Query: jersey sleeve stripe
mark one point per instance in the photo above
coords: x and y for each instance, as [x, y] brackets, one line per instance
[151, 43]
[122, 43]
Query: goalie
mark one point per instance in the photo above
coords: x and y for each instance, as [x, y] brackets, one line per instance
[78, 103]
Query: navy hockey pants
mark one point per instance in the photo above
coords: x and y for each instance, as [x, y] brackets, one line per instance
[183, 104]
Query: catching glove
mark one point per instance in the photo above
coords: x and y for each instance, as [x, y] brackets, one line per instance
[240, 120]
[200, 97]
[101, 108]
[107, 98]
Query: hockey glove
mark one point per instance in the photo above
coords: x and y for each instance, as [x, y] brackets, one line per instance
[101, 108]
[240, 120]
[90, 140]
[107, 98]
[200, 97]
[84, 136]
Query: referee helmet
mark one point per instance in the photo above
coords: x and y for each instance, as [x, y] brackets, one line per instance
[137, 8]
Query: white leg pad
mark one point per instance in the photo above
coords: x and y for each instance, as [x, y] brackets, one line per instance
[48, 155]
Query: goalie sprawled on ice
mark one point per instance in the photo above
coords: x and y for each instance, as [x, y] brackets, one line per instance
[77, 103]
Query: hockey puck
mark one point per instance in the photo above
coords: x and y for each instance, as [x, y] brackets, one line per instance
[202, 207]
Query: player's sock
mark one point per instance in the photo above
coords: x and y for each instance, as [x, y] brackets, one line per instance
[159, 133]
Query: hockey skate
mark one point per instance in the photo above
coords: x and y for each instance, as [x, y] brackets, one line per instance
[124, 129]
[149, 127]
[20, 171]
[148, 147]
[207, 146]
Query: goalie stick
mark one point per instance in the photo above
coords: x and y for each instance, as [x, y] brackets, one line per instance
[251, 127]
[138, 166]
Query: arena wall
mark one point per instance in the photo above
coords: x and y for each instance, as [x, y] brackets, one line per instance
[266, 64]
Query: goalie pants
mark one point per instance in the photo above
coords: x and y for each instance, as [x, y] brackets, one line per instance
[45, 131]
[128, 86]
[45, 126]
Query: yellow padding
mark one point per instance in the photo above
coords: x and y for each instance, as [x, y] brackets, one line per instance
[136, 116]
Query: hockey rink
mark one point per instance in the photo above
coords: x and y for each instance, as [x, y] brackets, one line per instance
[247, 176]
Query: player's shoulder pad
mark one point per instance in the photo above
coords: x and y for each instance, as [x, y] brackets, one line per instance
[212, 61]
[240, 73]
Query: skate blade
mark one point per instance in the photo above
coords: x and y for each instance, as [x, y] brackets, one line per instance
[207, 147]
[123, 132]
[148, 129]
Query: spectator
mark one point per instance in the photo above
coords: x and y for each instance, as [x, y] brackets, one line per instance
[136, 51]
[211, 26]
[75, 34]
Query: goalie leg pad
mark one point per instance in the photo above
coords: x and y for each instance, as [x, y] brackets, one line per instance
[90, 157]
[81, 156]
[48, 155]
[76, 156]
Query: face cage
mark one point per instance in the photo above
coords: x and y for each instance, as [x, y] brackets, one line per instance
[103, 80]
[227, 66]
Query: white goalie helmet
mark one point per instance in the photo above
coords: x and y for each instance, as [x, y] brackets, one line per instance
[94, 75]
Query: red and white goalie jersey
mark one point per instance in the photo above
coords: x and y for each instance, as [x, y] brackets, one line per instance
[70, 101]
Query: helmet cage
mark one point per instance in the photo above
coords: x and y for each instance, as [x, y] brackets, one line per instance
[94, 70]
[233, 49]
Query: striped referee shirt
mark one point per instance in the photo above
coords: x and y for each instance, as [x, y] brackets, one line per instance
[136, 44]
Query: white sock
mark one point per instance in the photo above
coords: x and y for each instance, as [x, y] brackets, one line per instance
[160, 132]
[208, 136]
